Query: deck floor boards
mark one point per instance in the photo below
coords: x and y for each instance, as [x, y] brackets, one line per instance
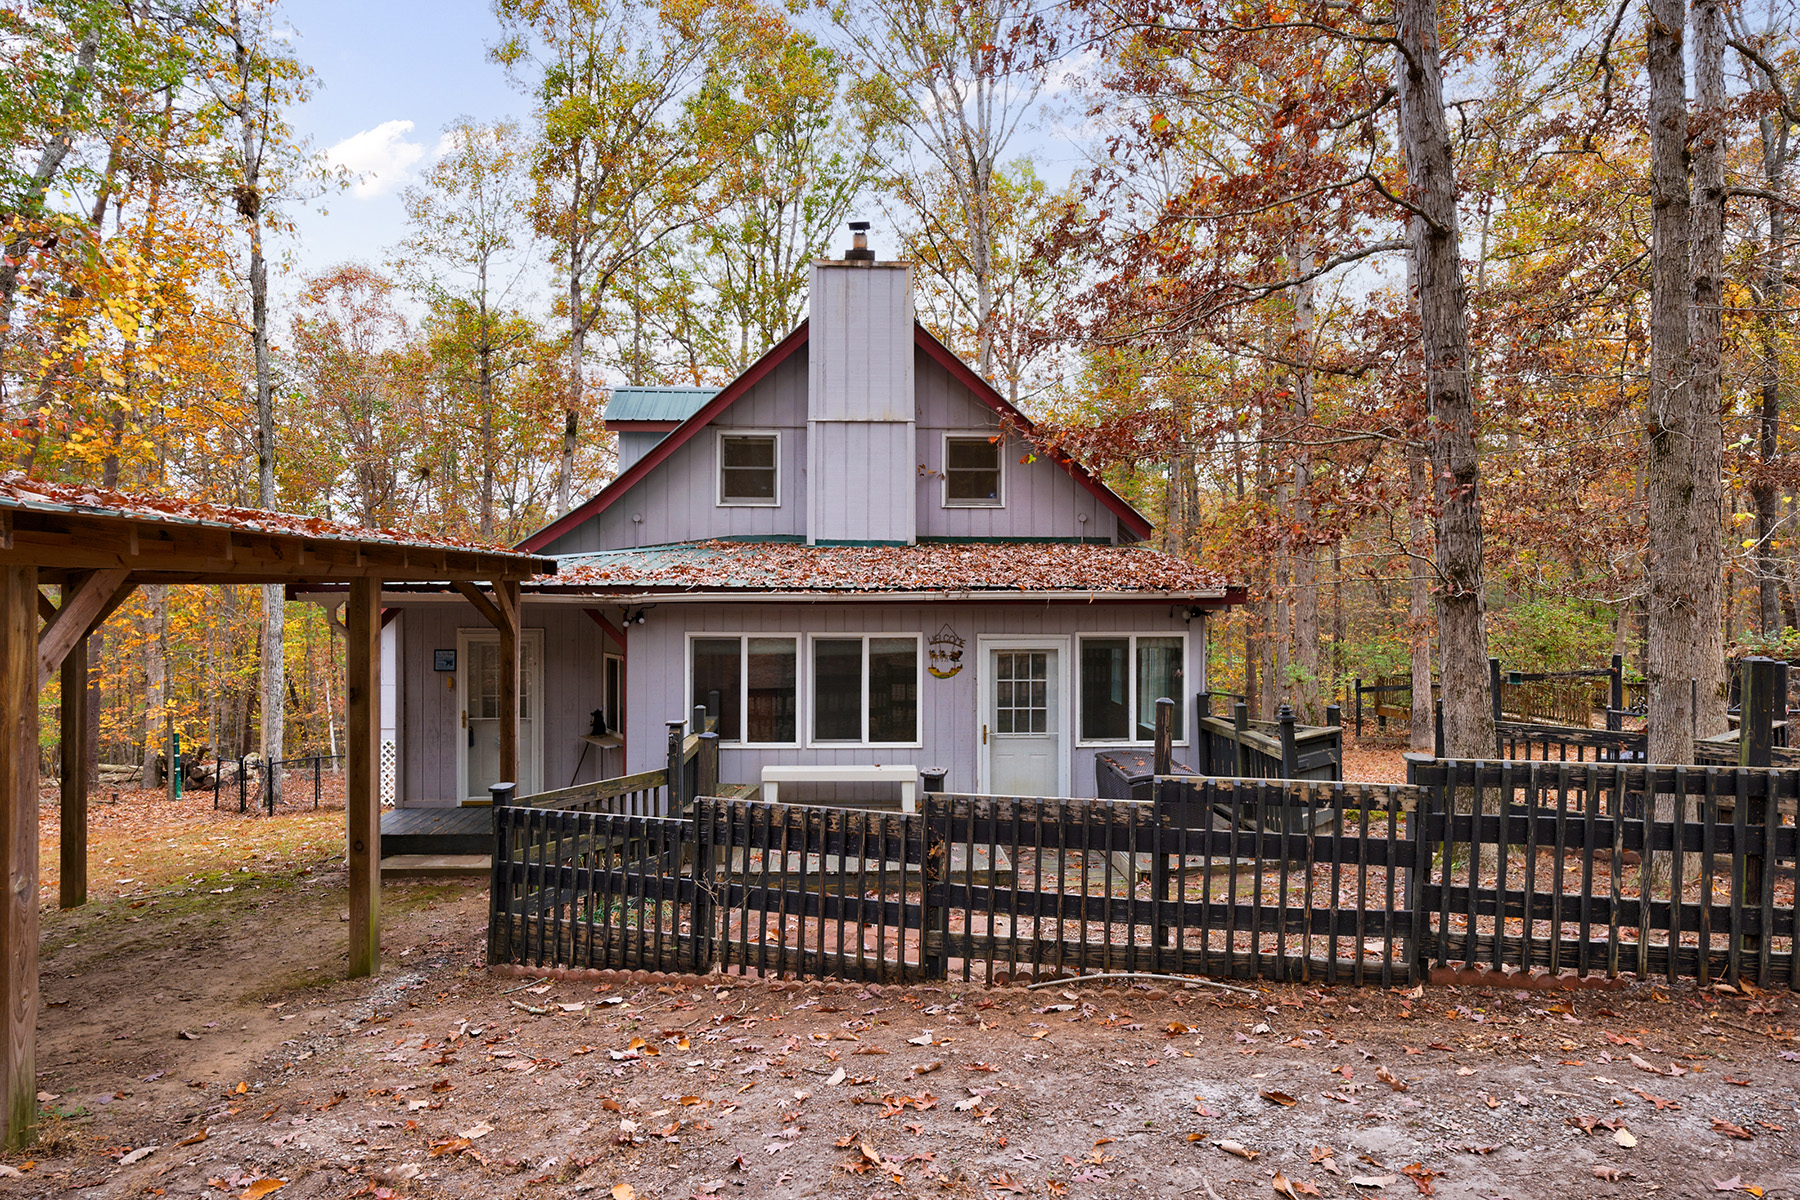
[437, 830]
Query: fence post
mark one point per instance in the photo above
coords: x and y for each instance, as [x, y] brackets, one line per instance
[315, 781]
[1240, 721]
[500, 876]
[934, 860]
[706, 783]
[218, 774]
[674, 773]
[1164, 753]
[1617, 672]
[243, 787]
[706, 774]
[1359, 706]
[269, 784]
[1494, 683]
[1334, 719]
[1756, 719]
[1424, 805]
[1437, 727]
[1290, 753]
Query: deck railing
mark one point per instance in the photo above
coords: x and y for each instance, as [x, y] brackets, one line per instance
[1232, 744]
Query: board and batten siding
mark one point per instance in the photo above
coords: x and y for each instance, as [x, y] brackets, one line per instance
[948, 707]
[431, 724]
[678, 501]
[1042, 500]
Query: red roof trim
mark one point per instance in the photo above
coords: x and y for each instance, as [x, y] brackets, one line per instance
[984, 391]
[602, 500]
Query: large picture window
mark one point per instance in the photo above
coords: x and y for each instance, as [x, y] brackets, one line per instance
[751, 684]
[972, 475]
[1121, 680]
[865, 690]
[749, 468]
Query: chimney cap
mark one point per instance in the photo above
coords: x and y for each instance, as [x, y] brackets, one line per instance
[859, 251]
[859, 227]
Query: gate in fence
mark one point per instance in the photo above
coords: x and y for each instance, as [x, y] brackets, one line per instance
[1554, 865]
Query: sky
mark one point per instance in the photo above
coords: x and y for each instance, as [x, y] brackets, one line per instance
[389, 75]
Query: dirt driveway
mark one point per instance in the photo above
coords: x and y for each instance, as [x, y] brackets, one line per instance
[201, 1042]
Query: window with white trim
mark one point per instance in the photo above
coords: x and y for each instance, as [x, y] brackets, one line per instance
[750, 682]
[972, 474]
[1121, 679]
[865, 689]
[750, 469]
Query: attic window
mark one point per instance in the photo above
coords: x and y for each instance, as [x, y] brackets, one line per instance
[749, 471]
[972, 472]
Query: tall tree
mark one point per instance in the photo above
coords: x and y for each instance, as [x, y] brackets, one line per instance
[1449, 398]
[1706, 336]
[466, 251]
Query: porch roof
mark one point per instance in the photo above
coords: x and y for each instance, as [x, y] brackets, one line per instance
[995, 570]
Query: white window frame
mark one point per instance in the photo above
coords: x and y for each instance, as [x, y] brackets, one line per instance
[719, 437]
[615, 719]
[743, 640]
[1131, 640]
[809, 700]
[969, 435]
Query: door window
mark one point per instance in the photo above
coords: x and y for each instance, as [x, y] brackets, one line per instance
[1022, 683]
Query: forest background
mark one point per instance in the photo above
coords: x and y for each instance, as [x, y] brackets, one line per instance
[1223, 308]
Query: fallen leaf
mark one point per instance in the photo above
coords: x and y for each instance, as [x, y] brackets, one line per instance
[1388, 1077]
[1625, 1138]
[837, 1077]
[138, 1155]
[1283, 1187]
[1237, 1148]
[1281, 1098]
[1372, 1181]
[194, 1139]
[261, 1188]
[624, 1191]
[1731, 1131]
[477, 1131]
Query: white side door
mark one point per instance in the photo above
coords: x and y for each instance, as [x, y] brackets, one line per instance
[478, 684]
[1024, 717]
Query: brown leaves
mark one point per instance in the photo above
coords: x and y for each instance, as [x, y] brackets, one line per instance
[1281, 1098]
[1720, 1125]
[1237, 1148]
[1421, 1175]
[1388, 1077]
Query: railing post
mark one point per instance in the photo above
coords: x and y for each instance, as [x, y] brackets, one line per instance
[706, 774]
[499, 945]
[1203, 738]
[1240, 723]
[1617, 673]
[1359, 706]
[674, 773]
[1290, 752]
[1437, 726]
[1334, 719]
[1494, 684]
[934, 780]
[1164, 753]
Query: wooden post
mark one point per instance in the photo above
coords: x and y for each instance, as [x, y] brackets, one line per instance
[506, 596]
[1494, 687]
[73, 888]
[673, 772]
[1616, 697]
[19, 851]
[706, 772]
[1240, 722]
[1164, 755]
[1203, 738]
[1290, 752]
[362, 757]
[1359, 706]
[1437, 725]
[1756, 719]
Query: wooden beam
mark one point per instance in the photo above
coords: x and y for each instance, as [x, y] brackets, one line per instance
[507, 595]
[81, 603]
[120, 594]
[362, 804]
[73, 885]
[478, 598]
[19, 853]
[46, 607]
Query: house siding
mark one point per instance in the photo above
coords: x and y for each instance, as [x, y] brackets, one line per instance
[948, 707]
[678, 501]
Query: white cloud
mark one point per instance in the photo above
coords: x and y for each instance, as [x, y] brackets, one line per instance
[381, 158]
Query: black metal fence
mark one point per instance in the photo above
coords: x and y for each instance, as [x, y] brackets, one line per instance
[251, 780]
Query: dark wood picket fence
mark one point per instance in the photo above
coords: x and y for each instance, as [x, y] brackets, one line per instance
[1513, 864]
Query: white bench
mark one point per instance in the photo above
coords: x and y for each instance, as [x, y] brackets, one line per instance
[906, 776]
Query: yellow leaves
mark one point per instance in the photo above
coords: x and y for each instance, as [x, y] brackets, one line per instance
[261, 1188]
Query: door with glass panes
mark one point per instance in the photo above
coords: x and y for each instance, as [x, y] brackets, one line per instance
[478, 765]
[1023, 719]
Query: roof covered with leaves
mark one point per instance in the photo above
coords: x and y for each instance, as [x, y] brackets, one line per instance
[998, 568]
[21, 493]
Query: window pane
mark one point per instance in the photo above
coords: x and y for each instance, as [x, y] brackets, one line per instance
[1104, 717]
[613, 704]
[971, 471]
[837, 690]
[1159, 674]
[716, 670]
[893, 690]
[774, 666]
[747, 468]
[1021, 699]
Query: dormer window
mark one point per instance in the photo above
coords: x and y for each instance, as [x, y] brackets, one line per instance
[972, 476]
[749, 469]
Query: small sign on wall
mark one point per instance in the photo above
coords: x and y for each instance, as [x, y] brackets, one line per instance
[443, 660]
[946, 653]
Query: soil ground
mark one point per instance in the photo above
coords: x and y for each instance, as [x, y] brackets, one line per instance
[198, 1039]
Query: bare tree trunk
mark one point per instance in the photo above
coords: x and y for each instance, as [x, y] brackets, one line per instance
[1706, 333]
[1450, 402]
[1764, 491]
[156, 692]
[1305, 555]
[1673, 614]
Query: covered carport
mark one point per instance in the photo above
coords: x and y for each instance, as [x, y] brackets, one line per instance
[95, 546]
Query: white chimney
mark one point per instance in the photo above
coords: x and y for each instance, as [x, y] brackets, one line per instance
[861, 445]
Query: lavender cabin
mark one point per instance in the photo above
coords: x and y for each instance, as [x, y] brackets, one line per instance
[853, 556]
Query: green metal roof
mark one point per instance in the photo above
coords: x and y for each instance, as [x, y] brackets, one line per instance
[657, 403]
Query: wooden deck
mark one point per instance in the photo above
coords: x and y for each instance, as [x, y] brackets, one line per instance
[437, 831]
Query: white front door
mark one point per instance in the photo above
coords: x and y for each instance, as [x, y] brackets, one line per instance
[478, 683]
[1023, 719]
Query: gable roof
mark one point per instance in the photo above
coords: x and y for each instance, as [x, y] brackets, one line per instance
[671, 404]
[983, 391]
